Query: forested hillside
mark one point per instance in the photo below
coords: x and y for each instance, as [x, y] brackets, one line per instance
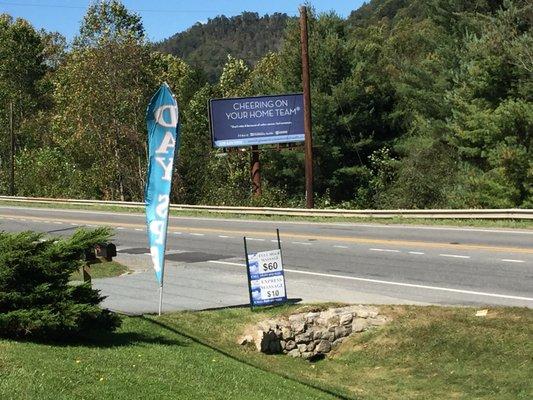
[247, 36]
[415, 103]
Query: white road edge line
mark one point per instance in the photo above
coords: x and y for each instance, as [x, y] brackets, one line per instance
[227, 263]
[513, 261]
[412, 285]
[453, 256]
[386, 250]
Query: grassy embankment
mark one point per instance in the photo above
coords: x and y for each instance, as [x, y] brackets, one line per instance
[102, 269]
[483, 223]
[425, 353]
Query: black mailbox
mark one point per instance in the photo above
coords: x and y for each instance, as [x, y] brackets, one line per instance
[88, 255]
[106, 250]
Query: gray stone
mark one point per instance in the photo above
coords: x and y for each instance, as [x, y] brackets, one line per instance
[359, 325]
[298, 327]
[294, 353]
[322, 334]
[307, 334]
[332, 320]
[324, 346]
[346, 319]
[311, 317]
[342, 331]
[302, 337]
[268, 325]
[289, 345]
[286, 333]
[296, 318]
[314, 333]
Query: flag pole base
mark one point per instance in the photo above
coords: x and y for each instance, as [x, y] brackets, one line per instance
[160, 299]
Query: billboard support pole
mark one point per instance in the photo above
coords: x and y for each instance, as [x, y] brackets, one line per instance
[11, 152]
[256, 172]
[309, 201]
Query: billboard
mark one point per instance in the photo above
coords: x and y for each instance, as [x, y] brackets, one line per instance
[248, 121]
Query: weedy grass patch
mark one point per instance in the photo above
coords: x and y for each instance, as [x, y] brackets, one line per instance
[102, 269]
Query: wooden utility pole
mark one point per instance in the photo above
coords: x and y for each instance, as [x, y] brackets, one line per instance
[12, 152]
[255, 171]
[309, 201]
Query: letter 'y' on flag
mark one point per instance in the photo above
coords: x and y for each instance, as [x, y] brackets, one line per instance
[163, 141]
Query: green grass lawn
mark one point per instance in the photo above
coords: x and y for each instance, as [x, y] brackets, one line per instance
[425, 353]
[105, 269]
[484, 223]
[143, 360]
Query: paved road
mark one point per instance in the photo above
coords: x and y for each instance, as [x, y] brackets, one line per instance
[343, 262]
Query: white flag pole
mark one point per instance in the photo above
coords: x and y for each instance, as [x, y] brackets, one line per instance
[160, 298]
[165, 250]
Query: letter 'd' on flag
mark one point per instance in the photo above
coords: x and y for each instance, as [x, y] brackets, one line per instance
[163, 141]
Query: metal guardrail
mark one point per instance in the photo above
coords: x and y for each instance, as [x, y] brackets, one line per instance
[511, 213]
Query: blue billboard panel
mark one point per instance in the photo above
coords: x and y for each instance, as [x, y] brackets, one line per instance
[247, 121]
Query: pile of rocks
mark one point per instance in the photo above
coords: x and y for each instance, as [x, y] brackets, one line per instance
[311, 334]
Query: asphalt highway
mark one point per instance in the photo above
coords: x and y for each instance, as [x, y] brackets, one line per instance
[419, 264]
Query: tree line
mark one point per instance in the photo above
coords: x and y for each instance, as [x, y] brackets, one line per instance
[206, 45]
[415, 104]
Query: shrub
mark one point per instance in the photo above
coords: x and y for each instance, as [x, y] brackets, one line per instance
[36, 299]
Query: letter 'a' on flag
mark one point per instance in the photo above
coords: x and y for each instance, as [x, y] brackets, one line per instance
[163, 141]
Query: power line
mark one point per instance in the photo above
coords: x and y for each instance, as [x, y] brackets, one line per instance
[40, 5]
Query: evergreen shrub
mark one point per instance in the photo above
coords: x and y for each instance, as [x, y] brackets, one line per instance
[36, 299]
